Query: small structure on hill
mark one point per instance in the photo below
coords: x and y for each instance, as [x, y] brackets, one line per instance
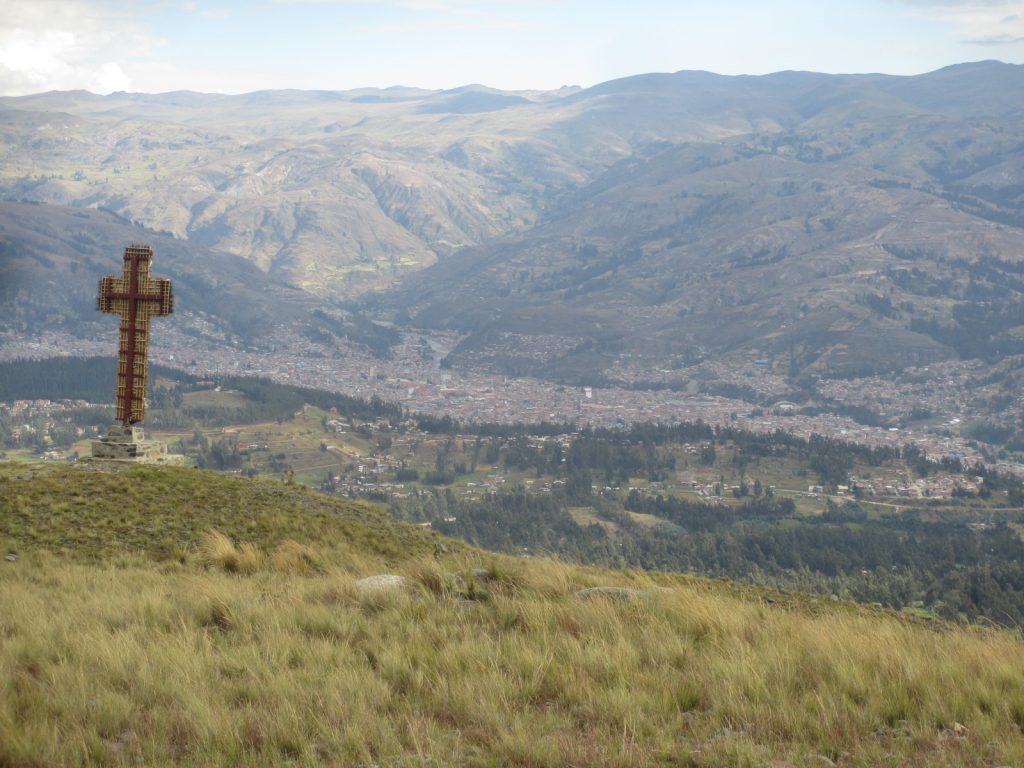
[136, 296]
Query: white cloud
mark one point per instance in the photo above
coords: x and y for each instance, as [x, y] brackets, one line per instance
[65, 45]
[997, 40]
[992, 25]
[979, 22]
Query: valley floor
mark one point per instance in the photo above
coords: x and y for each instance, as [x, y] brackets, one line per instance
[951, 390]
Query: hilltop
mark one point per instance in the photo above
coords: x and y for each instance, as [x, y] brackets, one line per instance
[120, 648]
[95, 511]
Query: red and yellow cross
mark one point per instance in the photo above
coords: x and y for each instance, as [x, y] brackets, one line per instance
[136, 297]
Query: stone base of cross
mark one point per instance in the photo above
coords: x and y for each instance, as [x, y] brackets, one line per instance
[125, 442]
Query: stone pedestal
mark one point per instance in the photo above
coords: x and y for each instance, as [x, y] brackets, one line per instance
[129, 443]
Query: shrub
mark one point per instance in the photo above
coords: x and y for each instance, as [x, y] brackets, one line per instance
[430, 575]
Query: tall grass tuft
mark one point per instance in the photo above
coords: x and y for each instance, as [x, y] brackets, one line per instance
[295, 558]
[218, 551]
[429, 574]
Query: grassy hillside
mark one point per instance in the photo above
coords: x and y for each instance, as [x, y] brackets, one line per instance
[118, 650]
[93, 511]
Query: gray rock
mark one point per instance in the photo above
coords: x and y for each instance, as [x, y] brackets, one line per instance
[384, 582]
[11, 557]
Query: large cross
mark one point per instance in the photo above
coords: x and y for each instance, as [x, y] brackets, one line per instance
[136, 297]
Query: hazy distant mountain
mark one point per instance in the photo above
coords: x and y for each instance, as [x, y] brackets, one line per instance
[836, 222]
[335, 192]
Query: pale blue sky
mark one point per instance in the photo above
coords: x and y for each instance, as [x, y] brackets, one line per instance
[231, 46]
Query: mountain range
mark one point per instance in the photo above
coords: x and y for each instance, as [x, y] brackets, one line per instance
[830, 224]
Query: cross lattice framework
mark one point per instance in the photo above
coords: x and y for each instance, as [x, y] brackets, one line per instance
[136, 297]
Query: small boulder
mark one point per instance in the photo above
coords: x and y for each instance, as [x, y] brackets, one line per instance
[11, 557]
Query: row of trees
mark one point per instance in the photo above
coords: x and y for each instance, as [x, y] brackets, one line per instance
[68, 378]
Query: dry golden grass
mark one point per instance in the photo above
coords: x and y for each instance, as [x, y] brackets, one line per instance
[180, 664]
[219, 551]
[295, 558]
[198, 651]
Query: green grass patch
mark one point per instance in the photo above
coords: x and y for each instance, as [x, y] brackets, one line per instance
[215, 399]
[91, 510]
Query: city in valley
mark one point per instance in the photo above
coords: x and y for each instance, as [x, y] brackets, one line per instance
[931, 408]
